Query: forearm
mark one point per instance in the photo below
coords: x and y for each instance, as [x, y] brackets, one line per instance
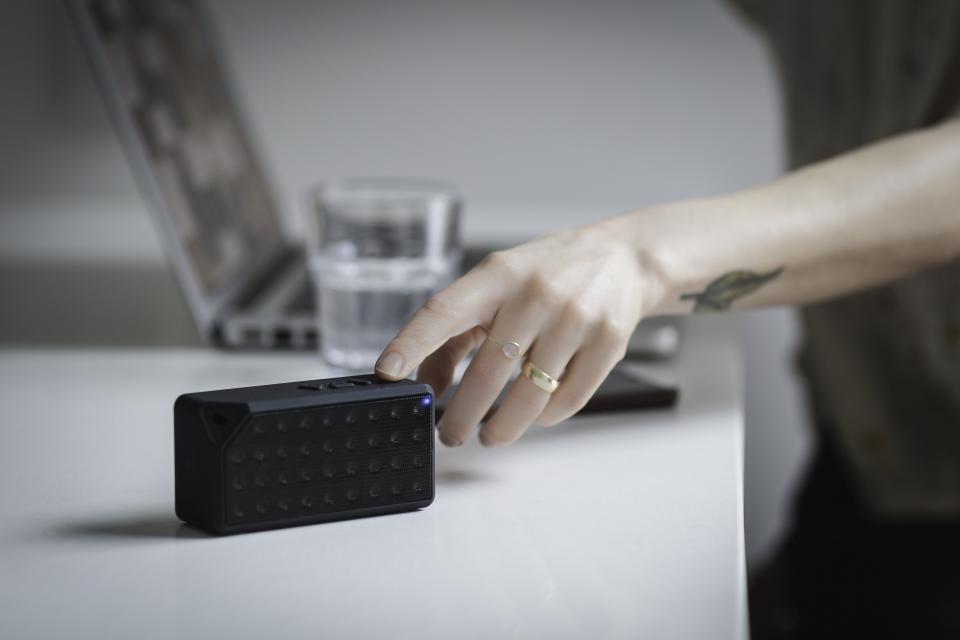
[569, 302]
[858, 220]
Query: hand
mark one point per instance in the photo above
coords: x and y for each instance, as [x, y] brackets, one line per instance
[570, 300]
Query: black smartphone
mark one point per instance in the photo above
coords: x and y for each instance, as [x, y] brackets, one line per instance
[621, 391]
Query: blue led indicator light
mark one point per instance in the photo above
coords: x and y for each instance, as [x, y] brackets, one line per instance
[426, 400]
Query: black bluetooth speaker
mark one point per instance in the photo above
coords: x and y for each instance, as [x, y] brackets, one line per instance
[302, 452]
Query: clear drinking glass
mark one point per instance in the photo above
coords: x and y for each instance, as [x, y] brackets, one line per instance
[379, 248]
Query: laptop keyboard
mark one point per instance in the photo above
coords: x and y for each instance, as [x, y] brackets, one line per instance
[303, 300]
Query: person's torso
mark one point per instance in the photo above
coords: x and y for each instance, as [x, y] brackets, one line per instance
[883, 365]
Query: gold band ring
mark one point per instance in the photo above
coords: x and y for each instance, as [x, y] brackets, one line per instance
[539, 377]
[511, 349]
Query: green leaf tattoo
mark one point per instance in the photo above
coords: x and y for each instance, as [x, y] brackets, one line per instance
[725, 290]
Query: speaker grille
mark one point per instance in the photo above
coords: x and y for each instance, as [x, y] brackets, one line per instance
[290, 465]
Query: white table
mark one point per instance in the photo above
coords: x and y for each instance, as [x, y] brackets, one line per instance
[618, 526]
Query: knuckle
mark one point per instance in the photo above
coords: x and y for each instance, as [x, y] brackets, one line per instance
[502, 261]
[439, 306]
[578, 314]
[619, 354]
[621, 351]
[613, 332]
[545, 290]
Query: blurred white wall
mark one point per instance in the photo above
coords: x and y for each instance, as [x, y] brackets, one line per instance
[547, 113]
[561, 109]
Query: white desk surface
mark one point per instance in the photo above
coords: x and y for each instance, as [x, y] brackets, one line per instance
[619, 526]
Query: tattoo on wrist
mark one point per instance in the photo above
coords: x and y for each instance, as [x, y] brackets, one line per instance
[720, 294]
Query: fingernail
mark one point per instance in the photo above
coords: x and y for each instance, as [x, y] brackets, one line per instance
[448, 441]
[390, 365]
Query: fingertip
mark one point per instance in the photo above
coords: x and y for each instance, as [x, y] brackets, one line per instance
[449, 441]
[548, 421]
[539, 424]
[491, 443]
[390, 366]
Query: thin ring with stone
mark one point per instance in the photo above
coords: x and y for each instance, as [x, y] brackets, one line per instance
[511, 349]
[539, 377]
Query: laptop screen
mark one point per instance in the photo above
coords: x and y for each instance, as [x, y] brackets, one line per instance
[174, 93]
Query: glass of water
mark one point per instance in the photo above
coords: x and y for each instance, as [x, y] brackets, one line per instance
[379, 248]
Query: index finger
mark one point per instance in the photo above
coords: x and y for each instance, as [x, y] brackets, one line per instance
[469, 301]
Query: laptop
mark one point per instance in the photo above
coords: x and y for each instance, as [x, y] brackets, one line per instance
[171, 97]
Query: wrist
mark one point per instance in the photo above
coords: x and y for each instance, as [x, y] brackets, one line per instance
[706, 254]
[637, 231]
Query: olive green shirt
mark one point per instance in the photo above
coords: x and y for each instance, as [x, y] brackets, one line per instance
[883, 365]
